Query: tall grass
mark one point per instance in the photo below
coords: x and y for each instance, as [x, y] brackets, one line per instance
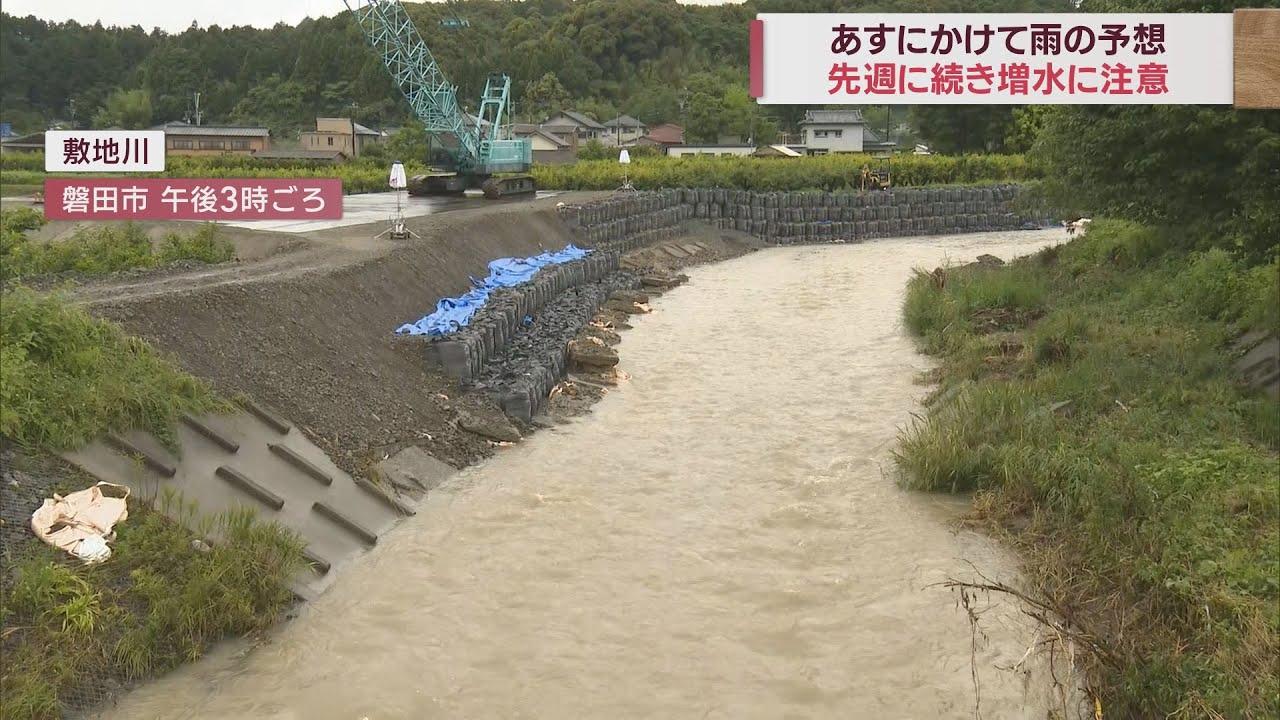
[357, 176]
[66, 377]
[100, 250]
[158, 602]
[1110, 437]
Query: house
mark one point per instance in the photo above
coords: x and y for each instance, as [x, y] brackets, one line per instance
[342, 135]
[625, 129]
[780, 151]
[662, 136]
[584, 127]
[833, 131]
[331, 157]
[548, 147]
[33, 142]
[182, 138]
[712, 149]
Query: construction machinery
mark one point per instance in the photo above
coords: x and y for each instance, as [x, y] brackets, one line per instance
[479, 154]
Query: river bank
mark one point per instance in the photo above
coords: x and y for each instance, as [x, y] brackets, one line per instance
[726, 544]
[1108, 402]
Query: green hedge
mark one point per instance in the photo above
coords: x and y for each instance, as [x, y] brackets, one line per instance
[827, 172]
[357, 177]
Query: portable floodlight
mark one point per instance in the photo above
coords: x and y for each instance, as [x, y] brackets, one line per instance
[624, 159]
[398, 183]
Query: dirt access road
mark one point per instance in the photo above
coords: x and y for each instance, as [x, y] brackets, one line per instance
[265, 254]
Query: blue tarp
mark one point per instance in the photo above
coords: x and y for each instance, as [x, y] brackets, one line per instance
[454, 313]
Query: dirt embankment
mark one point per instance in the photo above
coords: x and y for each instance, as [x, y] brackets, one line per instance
[310, 332]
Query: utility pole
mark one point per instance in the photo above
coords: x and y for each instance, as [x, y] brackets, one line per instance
[196, 97]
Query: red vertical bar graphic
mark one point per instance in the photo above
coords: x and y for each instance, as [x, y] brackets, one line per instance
[757, 58]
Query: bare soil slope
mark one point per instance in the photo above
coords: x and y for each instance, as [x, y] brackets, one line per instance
[310, 333]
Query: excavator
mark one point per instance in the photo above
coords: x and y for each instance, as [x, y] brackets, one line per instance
[479, 155]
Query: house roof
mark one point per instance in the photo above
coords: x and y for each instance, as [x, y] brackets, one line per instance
[870, 139]
[735, 146]
[666, 134]
[833, 117]
[625, 121]
[35, 139]
[329, 155]
[181, 128]
[362, 130]
[782, 150]
[526, 130]
[580, 119]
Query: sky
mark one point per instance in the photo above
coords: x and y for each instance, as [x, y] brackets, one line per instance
[176, 16]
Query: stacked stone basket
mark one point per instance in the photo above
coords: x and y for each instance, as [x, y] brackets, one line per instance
[634, 220]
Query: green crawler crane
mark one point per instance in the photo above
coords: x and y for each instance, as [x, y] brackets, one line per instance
[479, 157]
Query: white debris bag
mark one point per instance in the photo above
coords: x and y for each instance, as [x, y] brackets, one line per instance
[81, 523]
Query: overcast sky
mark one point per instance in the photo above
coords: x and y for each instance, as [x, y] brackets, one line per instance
[175, 16]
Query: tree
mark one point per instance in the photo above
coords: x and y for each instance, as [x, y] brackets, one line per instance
[1210, 172]
[963, 128]
[543, 97]
[128, 109]
[408, 144]
[276, 103]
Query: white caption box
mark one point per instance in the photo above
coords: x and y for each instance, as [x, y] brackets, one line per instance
[104, 151]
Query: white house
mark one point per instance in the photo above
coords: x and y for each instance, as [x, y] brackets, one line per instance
[832, 131]
[624, 130]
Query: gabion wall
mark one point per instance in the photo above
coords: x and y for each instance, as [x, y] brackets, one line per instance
[464, 353]
[630, 221]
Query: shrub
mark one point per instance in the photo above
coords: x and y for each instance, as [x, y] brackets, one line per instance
[107, 249]
[157, 603]
[1122, 455]
[68, 377]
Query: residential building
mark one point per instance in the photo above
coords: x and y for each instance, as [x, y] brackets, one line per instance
[624, 129]
[584, 127]
[332, 157]
[833, 131]
[342, 135]
[712, 149]
[33, 142]
[548, 147]
[662, 135]
[182, 138]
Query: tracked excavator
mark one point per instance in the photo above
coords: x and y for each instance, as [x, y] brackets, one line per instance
[479, 154]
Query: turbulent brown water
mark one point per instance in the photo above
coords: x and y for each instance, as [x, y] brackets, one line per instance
[720, 538]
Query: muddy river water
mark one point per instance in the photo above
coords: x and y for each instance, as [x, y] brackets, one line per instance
[722, 537]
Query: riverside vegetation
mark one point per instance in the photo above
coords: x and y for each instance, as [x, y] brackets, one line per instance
[1087, 396]
[829, 172]
[100, 250]
[72, 632]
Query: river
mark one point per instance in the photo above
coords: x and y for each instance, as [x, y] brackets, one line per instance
[721, 537]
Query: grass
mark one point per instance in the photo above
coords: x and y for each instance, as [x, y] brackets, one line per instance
[100, 250]
[67, 378]
[26, 170]
[156, 603]
[1088, 397]
[15, 190]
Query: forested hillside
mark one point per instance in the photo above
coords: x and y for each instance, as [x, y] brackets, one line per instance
[655, 59]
